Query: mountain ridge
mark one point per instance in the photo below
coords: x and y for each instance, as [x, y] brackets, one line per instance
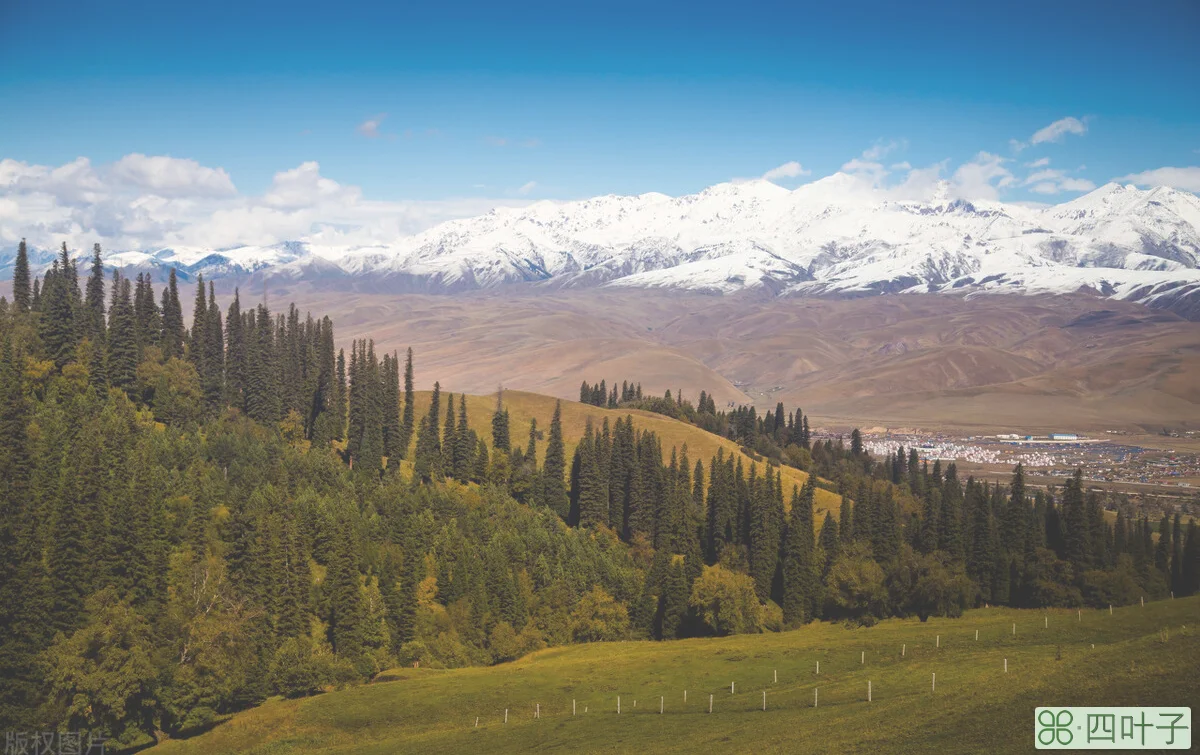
[837, 236]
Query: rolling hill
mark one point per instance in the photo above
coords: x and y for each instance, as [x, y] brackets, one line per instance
[702, 446]
[983, 702]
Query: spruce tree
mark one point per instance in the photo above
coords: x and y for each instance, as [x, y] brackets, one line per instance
[799, 584]
[94, 320]
[500, 436]
[406, 423]
[449, 438]
[464, 443]
[122, 341]
[391, 410]
[22, 297]
[427, 460]
[345, 617]
[212, 381]
[172, 319]
[59, 329]
[553, 478]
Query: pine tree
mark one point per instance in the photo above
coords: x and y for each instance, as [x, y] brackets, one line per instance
[1075, 525]
[212, 381]
[122, 341]
[406, 423]
[427, 461]
[235, 353]
[553, 481]
[765, 522]
[799, 584]
[345, 598]
[59, 330]
[22, 298]
[94, 322]
[172, 319]
[196, 349]
[593, 505]
[449, 438]
[464, 443]
[500, 436]
[391, 410]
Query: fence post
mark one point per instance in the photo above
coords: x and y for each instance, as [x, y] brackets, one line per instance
[933, 687]
[776, 677]
[818, 668]
[572, 706]
[863, 659]
[903, 648]
[764, 699]
[868, 690]
[710, 702]
[1006, 665]
[977, 635]
[661, 698]
[939, 640]
[815, 696]
[506, 715]
[731, 687]
[618, 705]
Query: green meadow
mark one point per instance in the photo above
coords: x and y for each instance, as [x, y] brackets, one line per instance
[1135, 656]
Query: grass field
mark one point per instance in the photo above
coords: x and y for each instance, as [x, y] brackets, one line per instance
[1136, 656]
[525, 406]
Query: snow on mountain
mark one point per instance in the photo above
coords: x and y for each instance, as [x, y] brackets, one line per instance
[835, 236]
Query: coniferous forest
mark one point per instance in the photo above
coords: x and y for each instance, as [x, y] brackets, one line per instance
[197, 513]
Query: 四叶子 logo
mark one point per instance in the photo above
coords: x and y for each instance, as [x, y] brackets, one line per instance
[1072, 728]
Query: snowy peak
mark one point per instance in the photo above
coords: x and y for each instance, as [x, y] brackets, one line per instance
[837, 235]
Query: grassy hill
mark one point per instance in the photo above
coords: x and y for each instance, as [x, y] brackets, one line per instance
[525, 406]
[1137, 656]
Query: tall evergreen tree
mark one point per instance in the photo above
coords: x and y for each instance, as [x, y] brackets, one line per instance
[406, 422]
[173, 333]
[94, 323]
[501, 440]
[464, 443]
[799, 580]
[553, 478]
[22, 294]
[122, 342]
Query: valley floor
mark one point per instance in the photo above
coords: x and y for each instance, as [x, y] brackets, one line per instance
[1147, 656]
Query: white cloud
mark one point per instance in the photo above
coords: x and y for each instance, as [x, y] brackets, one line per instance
[526, 188]
[868, 170]
[1054, 181]
[370, 127]
[1043, 175]
[305, 186]
[1059, 129]
[143, 202]
[791, 169]
[1041, 162]
[903, 165]
[1187, 179]
[983, 177]
[881, 149]
[1076, 184]
[171, 176]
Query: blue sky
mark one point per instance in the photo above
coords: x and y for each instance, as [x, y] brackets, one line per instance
[547, 100]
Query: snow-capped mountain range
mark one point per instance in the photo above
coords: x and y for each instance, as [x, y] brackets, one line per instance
[835, 236]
